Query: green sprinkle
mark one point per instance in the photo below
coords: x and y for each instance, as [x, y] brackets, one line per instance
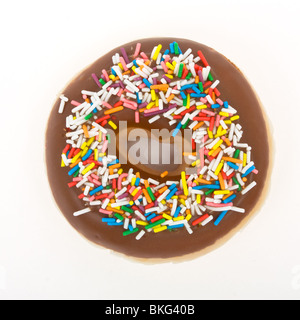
[176, 48]
[207, 193]
[200, 85]
[151, 194]
[124, 208]
[237, 153]
[88, 116]
[186, 124]
[154, 224]
[180, 70]
[102, 81]
[210, 77]
[128, 232]
[188, 77]
[185, 102]
[121, 218]
[236, 182]
[108, 138]
[76, 173]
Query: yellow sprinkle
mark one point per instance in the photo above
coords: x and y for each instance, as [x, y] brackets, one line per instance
[112, 77]
[88, 168]
[83, 146]
[221, 133]
[131, 203]
[86, 149]
[195, 163]
[182, 201]
[189, 216]
[203, 106]
[150, 105]
[153, 95]
[222, 192]
[113, 125]
[141, 223]
[169, 76]
[78, 155]
[170, 66]
[188, 101]
[218, 144]
[224, 114]
[120, 171]
[244, 159]
[234, 118]
[184, 183]
[96, 152]
[120, 65]
[100, 136]
[210, 134]
[219, 168]
[160, 229]
[62, 163]
[91, 140]
[133, 181]
[157, 51]
[102, 154]
[227, 121]
[198, 198]
[178, 218]
[166, 216]
[135, 191]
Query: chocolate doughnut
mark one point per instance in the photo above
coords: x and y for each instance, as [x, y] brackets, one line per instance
[154, 208]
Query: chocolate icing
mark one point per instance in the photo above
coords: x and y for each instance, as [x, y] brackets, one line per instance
[233, 87]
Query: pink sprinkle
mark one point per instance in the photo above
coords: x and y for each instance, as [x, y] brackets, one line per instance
[77, 179]
[137, 50]
[120, 92]
[122, 176]
[106, 104]
[111, 195]
[123, 63]
[144, 56]
[105, 145]
[137, 117]
[164, 67]
[75, 103]
[105, 211]
[219, 205]
[219, 101]
[98, 183]
[217, 120]
[208, 112]
[129, 106]
[95, 176]
[104, 72]
[255, 171]
[130, 102]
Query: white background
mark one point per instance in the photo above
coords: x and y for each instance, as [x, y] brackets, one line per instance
[44, 44]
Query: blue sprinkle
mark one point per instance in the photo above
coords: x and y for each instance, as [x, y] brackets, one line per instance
[183, 95]
[176, 226]
[153, 215]
[113, 72]
[216, 105]
[229, 199]
[73, 170]
[95, 110]
[179, 125]
[207, 186]
[108, 220]
[187, 86]
[87, 155]
[198, 95]
[147, 214]
[115, 223]
[171, 194]
[100, 188]
[220, 217]
[172, 186]
[172, 48]
[134, 62]
[138, 99]
[248, 171]
[232, 165]
[137, 182]
[147, 83]
[130, 227]
[113, 163]
[177, 212]
[225, 104]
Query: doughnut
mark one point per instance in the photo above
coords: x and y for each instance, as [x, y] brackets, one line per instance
[182, 191]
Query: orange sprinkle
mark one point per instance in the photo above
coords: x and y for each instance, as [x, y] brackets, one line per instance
[164, 174]
[215, 153]
[172, 96]
[115, 210]
[113, 110]
[228, 195]
[146, 183]
[162, 87]
[85, 130]
[146, 194]
[162, 190]
[203, 181]
[72, 165]
[197, 126]
[222, 184]
[232, 160]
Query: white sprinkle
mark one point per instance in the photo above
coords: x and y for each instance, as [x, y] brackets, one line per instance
[140, 235]
[249, 187]
[154, 119]
[80, 212]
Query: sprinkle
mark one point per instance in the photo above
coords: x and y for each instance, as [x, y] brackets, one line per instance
[81, 212]
[249, 187]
